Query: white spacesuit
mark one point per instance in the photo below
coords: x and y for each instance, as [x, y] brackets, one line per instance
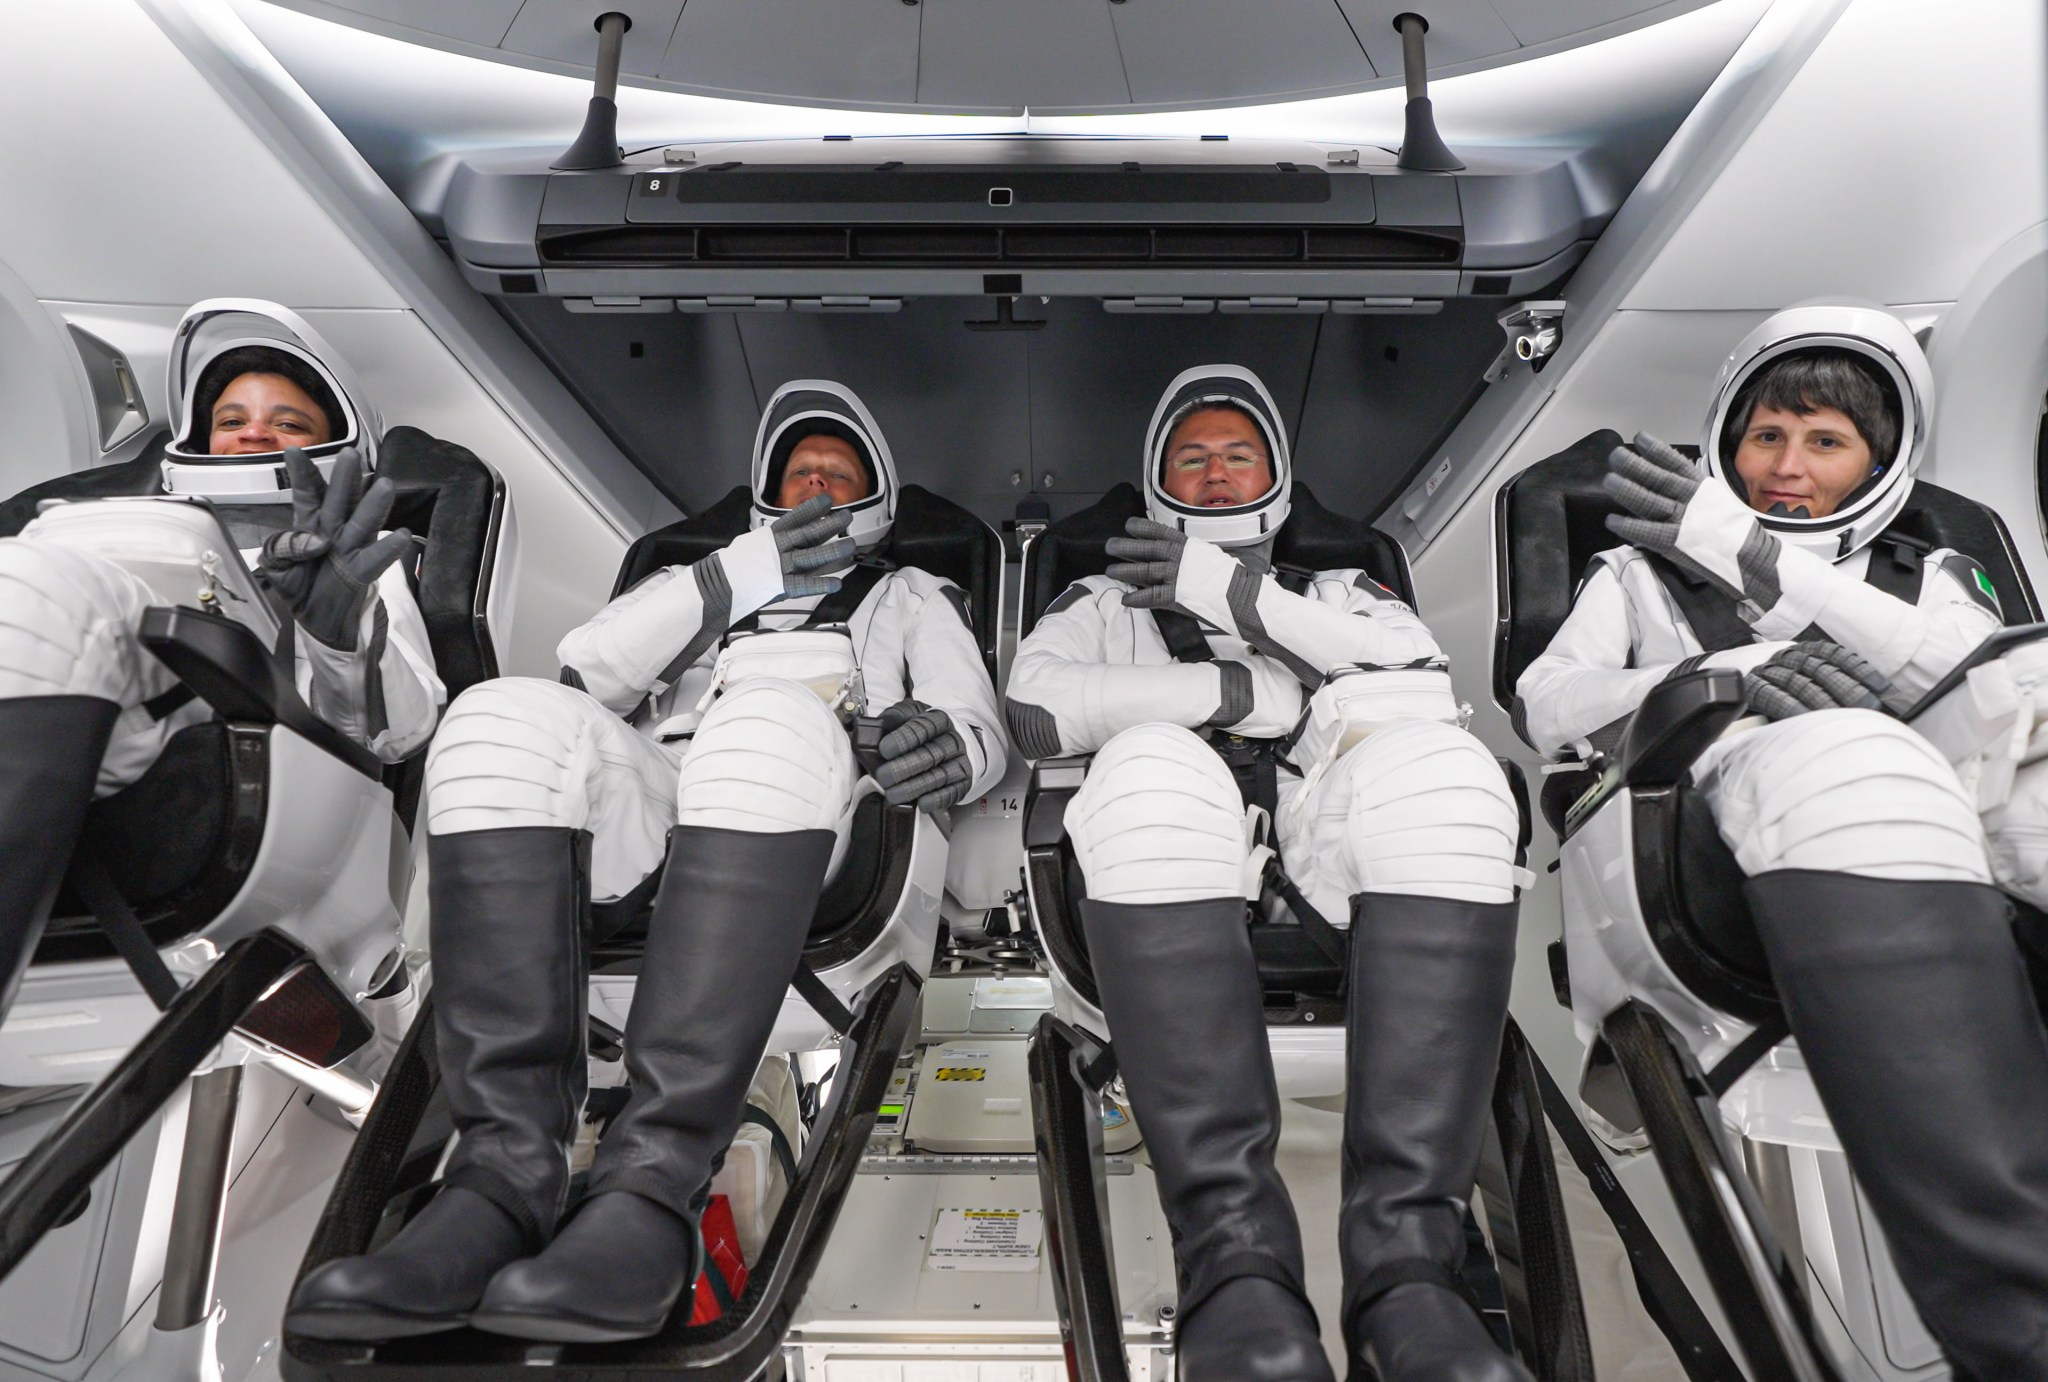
[85, 709]
[1390, 819]
[1865, 858]
[540, 797]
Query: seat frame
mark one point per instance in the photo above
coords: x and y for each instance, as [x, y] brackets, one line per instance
[1659, 962]
[1305, 1014]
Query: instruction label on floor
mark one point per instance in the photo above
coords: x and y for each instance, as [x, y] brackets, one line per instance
[985, 1240]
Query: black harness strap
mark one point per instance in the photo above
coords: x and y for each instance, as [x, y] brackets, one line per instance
[1895, 568]
[1183, 635]
[117, 919]
[839, 606]
[778, 1140]
[814, 991]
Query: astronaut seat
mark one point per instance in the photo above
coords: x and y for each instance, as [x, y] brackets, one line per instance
[881, 907]
[1663, 966]
[264, 815]
[1301, 969]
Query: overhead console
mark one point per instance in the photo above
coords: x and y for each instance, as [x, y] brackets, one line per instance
[1145, 225]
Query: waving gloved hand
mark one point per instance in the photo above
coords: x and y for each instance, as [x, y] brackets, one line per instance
[923, 758]
[1167, 569]
[326, 564]
[1814, 676]
[812, 537]
[1701, 525]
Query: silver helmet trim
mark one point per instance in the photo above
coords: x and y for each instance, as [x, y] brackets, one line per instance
[803, 400]
[1207, 386]
[209, 330]
[1856, 327]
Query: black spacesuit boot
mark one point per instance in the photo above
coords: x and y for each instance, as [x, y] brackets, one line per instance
[1428, 1000]
[509, 912]
[50, 751]
[728, 928]
[1180, 989]
[1912, 1009]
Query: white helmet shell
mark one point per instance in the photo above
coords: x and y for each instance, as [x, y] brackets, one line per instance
[210, 330]
[1209, 386]
[803, 407]
[1863, 329]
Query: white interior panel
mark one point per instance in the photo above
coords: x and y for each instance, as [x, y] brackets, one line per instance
[1238, 52]
[180, 201]
[858, 51]
[1019, 52]
[467, 21]
[566, 31]
[1459, 31]
[1894, 166]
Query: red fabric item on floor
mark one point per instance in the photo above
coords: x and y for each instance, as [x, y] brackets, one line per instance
[722, 1255]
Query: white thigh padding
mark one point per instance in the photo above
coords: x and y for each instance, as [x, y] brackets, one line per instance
[769, 757]
[1419, 808]
[1842, 791]
[521, 752]
[1158, 820]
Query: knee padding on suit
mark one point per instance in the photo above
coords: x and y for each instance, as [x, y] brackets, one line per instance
[1419, 808]
[1845, 791]
[769, 756]
[1158, 820]
[514, 752]
[68, 621]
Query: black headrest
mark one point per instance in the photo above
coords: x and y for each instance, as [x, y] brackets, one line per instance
[931, 533]
[1549, 524]
[452, 501]
[1312, 539]
[446, 496]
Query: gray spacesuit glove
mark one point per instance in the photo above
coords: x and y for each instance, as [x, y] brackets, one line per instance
[812, 537]
[1167, 569]
[923, 758]
[1814, 676]
[1704, 527]
[326, 564]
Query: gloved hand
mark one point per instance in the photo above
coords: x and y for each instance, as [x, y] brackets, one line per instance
[811, 537]
[1814, 676]
[326, 564]
[923, 758]
[1704, 527]
[1167, 569]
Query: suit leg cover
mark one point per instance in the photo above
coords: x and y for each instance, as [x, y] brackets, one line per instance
[50, 749]
[508, 915]
[1429, 984]
[728, 928]
[1180, 988]
[1913, 1012]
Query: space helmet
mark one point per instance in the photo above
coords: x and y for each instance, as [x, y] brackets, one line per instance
[1210, 386]
[1872, 334]
[814, 407]
[210, 331]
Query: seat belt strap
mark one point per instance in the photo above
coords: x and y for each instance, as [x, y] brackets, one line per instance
[778, 1140]
[1708, 613]
[1334, 944]
[1183, 635]
[117, 919]
[839, 606]
[823, 1001]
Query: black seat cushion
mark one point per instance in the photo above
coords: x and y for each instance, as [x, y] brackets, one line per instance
[931, 533]
[1550, 523]
[453, 501]
[1313, 538]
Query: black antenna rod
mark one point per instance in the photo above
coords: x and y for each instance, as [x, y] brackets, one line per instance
[1422, 148]
[597, 146]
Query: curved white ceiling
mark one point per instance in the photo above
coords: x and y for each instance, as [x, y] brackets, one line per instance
[1002, 56]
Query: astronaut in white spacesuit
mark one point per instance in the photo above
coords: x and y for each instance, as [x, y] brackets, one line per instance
[541, 796]
[1889, 943]
[275, 431]
[1390, 819]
